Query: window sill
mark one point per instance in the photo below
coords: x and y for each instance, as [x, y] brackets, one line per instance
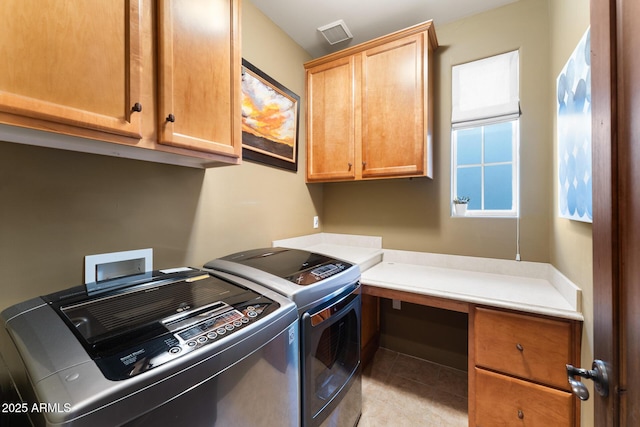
[484, 215]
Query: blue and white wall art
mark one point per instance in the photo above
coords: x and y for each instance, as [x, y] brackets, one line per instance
[574, 135]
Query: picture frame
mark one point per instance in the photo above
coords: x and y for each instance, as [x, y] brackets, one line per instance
[270, 120]
[573, 121]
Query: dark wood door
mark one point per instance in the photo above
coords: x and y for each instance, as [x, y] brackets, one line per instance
[615, 44]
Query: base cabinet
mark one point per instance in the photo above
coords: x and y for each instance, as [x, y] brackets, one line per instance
[517, 361]
[517, 372]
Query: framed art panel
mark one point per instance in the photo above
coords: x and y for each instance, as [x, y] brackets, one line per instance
[270, 119]
[575, 179]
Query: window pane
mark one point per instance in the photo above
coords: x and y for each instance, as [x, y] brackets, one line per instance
[469, 181]
[497, 187]
[469, 147]
[497, 140]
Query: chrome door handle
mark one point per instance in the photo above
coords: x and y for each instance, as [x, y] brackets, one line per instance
[326, 313]
[598, 374]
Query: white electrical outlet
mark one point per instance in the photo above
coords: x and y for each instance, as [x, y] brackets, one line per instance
[316, 222]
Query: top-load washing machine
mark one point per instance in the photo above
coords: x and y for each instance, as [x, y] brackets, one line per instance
[167, 348]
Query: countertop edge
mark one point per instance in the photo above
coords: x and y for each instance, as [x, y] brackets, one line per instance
[368, 253]
[492, 302]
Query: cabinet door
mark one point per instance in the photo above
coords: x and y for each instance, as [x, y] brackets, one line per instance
[331, 96]
[199, 74]
[71, 62]
[393, 109]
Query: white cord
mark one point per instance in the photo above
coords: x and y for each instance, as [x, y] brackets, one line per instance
[518, 238]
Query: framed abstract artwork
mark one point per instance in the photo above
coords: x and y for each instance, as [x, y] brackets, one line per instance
[270, 119]
[575, 178]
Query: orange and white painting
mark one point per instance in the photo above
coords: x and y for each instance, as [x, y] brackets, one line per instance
[269, 119]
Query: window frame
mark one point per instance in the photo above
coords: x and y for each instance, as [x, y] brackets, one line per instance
[515, 189]
[486, 92]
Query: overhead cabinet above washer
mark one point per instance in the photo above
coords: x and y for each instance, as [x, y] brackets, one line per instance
[369, 109]
[199, 76]
[75, 64]
[82, 76]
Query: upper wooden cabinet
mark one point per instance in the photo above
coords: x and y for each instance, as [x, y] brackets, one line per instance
[112, 72]
[199, 76]
[331, 120]
[369, 109]
[73, 63]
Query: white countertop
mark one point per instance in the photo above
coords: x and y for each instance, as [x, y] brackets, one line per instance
[512, 292]
[517, 285]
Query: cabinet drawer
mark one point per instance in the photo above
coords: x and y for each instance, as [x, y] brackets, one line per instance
[506, 401]
[524, 346]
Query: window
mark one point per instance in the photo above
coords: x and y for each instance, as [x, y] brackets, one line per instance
[485, 135]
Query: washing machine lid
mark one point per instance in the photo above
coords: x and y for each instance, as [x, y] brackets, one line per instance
[133, 329]
[301, 267]
[305, 277]
[149, 305]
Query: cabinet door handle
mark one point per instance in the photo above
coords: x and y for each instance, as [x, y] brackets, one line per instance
[171, 118]
[137, 107]
[364, 165]
[519, 347]
[520, 414]
[350, 165]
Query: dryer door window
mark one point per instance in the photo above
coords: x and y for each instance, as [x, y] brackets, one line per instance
[331, 354]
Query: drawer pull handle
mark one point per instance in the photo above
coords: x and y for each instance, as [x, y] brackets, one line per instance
[137, 107]
[520, 414]
[519, 347]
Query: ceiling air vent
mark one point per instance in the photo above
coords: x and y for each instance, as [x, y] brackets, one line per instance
[335, 32]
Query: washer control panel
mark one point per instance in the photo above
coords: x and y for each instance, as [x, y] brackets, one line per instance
[211, 327]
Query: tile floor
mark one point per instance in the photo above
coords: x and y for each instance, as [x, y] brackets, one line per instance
[400, 390]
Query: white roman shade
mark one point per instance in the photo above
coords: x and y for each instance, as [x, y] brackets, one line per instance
[486, 89]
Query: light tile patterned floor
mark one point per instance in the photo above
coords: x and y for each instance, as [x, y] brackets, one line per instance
[400, 390]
